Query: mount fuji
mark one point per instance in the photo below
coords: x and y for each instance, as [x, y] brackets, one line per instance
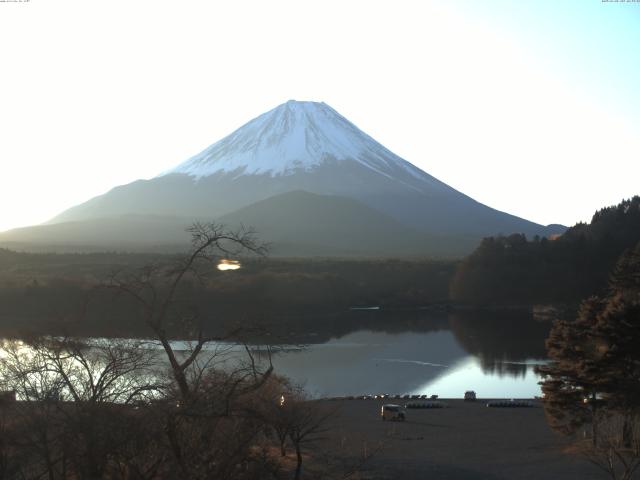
[295, 165]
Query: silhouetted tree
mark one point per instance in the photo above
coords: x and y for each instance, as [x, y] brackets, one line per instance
[209, 434]
[594, 374]
[308, 421]
[156, 288]
[618, 330]
[572, 380]
[74, 417]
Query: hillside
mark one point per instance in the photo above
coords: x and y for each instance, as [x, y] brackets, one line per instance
[514, 270]
[304, 224]
[294, 224]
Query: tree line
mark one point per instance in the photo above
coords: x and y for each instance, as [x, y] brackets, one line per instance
[62, 293]
[514, 270]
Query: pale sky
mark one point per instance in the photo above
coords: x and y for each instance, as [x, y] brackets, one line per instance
[528, 106]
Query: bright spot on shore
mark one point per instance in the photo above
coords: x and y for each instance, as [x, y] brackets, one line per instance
[228, 265]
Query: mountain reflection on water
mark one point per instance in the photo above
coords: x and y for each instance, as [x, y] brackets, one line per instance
[493, 353]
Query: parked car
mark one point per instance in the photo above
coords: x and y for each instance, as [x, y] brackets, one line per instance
[469, 396]
[391, 411]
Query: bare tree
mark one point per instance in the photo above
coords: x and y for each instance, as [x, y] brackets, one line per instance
[73, 416]
[307, 423]
[10, 457]
[209, 432]
[615, 453]
[155, 288]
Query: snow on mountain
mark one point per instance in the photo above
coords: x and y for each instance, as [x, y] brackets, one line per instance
[292, 137]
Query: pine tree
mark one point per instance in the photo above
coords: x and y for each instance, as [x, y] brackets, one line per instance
[626, 274]
[595, 360]
[572, 380]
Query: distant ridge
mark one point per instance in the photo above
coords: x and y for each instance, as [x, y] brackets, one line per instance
[302, 223]
[294, 224]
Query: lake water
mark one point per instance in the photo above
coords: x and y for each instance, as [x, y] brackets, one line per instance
[494, 354]
[366, 362]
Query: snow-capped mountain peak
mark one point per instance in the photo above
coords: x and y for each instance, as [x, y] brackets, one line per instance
[293, 136]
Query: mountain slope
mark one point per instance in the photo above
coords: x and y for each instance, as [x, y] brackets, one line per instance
[303, 146]
[294, 224]
[124, 232]
[302, 223]
[297, 146]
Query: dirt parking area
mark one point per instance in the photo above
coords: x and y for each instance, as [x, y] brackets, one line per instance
[465, 440]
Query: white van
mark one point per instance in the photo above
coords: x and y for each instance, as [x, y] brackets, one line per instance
[392, 412]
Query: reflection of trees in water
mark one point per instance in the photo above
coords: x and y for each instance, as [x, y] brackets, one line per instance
[501, 340]
[503, 367]
[321, 328]
[267, 328]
